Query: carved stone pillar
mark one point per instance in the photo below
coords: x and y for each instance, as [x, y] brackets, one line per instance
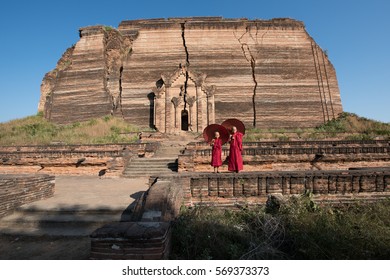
[192, 117]
[159, 108]
[177, 113]
[210, 91]
[168, 104]
[168, 111]
[201, 101]
[199, 109]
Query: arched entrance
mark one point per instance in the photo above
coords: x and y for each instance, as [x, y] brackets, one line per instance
[183, 102]
[184, 120]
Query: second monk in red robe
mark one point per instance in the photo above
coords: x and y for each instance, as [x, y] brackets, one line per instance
[235, 157]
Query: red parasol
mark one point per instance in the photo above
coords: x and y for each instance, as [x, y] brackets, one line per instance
[209, 131]
[229, 123]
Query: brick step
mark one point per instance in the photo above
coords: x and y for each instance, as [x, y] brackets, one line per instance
[143, 173]
[148, 168]
[68, 222]
[142, 167]
[134, 174]
[150, 162]
[152, 168]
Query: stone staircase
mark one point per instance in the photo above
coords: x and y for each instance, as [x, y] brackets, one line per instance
[140, 167]
[80, 206]
[164, 161]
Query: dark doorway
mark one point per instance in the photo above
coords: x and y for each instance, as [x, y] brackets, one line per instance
[184, 120]
[151, 110]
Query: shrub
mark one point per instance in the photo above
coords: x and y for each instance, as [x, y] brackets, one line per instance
[300, 229]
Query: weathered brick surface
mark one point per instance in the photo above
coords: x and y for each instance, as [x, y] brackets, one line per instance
[16, 190]
[229, 188]
[132, 241]
[296, 155]
[149, 237]
[62, 159]
[268, 73]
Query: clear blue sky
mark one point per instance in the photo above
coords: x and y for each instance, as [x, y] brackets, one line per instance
[356, 34]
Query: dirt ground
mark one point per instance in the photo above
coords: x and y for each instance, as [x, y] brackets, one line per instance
[44, 248]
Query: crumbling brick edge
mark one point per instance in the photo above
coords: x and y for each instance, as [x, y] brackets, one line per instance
[148, 236]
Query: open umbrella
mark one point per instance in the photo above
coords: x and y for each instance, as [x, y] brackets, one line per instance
[209, 131]
[229, 123]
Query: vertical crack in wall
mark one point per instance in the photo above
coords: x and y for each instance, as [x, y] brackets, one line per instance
[251, 57]
[252, 60]
[116, 50]
[111, 42]
[253, 66]
[327, 83]
[183, 28]
[313, 46]
[120, 90]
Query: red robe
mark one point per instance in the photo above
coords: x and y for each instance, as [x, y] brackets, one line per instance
[216, 154]
[235, 157]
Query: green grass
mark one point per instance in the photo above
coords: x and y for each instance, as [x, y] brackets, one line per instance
[347, 126]
[299, 229]
[36, 130]
[108, 28]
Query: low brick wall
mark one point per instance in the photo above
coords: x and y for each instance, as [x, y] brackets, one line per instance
[296, 155]
[132, 241]
[301, 143]
[148, 236]
[71, 159]
[228, 189]
[16, 190]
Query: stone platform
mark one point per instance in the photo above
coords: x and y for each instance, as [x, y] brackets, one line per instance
[80, 205]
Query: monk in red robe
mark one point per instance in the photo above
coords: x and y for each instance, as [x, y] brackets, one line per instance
[235, 157]
[216, 154]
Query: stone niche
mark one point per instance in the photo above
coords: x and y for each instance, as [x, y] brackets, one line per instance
[183, 102]
[185, 73]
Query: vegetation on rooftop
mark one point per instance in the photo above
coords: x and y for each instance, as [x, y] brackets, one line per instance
[347, 126]
[36, 130]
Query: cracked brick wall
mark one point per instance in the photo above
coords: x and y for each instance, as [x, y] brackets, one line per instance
[267, 73]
